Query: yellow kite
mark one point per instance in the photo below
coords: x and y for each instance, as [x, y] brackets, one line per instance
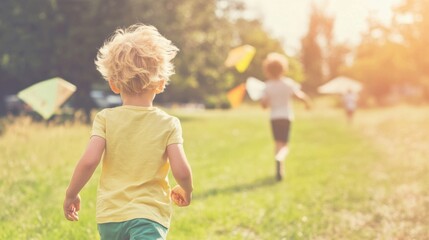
[240, 57]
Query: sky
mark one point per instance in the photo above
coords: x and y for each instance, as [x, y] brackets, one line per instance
[288, 19]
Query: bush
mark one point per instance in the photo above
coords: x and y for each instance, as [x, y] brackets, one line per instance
[2, 127]
[224, 103]
[210, 102]
[214, 102]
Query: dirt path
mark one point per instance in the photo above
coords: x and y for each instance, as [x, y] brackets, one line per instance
[400, 197]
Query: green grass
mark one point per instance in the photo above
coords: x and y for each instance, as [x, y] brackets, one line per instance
[342, 182]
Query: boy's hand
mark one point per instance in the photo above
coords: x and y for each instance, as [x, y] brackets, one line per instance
[180, 197]
[308, 105]
[71, 208]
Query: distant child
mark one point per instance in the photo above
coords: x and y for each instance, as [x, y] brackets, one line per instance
[137, 142]
[350, 99]
[278, 97]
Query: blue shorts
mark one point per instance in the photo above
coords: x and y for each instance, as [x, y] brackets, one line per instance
[135, 229]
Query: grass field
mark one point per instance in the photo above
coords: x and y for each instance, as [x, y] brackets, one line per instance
[365, 181]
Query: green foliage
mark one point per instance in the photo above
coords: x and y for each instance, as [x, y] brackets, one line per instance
[203, 38]
[390, 60]
[214, 102]
[252, 32]
[296, 70]
[2, 128]
[61, 38]
[414, 33]
[211, 102]
[372, 59]
[311, 52]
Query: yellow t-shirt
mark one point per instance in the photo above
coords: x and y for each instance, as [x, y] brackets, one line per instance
[133, 182]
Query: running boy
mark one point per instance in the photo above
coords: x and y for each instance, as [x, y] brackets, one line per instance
[278, 96]
[140, 142]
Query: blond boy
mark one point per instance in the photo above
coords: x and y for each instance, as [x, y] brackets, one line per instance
[277, 96]
[136, 142]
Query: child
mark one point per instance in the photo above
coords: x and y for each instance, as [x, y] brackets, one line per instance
[277, 95]
[139, 141]
[350, 99]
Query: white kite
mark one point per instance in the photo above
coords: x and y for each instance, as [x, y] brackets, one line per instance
[255, 88]
[340, 85]
[47, 96]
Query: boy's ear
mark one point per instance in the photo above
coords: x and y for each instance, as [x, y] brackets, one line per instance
[114, 88]
[160, 87]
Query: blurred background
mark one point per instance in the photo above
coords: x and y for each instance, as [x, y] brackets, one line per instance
[366, 179]
[381, 44]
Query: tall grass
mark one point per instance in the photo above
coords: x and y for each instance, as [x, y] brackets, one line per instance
[365, 181]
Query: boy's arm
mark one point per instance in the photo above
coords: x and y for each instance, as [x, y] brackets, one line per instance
[82, 173]
[264, 101]
[180, 168]
[304, 98]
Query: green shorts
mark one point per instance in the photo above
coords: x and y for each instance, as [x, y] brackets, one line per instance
[135, 229]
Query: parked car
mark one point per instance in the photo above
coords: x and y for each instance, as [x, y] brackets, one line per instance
[103, 99]
[14, 105]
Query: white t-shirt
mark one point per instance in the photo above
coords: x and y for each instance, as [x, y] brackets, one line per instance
[350, 100]
[278, 94]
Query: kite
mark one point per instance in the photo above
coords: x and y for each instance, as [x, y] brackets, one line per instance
[235, 96]
[47, 96]
[340, 85]
[240, 57]
[255, 88]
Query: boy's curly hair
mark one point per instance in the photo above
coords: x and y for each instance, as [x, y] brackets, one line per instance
[275, 65]
[136, 58]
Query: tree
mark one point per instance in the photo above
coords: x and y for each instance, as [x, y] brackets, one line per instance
[26, 48]
[50, 38]
[60, 38]
[24, 44]
[393, 58]
[411, 24]
[203, 38]
[253, 33]
[321, 56]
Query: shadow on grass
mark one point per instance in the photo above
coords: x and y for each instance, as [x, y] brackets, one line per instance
[259, 183]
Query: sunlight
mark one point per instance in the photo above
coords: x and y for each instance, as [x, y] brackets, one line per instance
[288, 19]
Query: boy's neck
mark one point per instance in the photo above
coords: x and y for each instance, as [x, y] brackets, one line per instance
[144, 99]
